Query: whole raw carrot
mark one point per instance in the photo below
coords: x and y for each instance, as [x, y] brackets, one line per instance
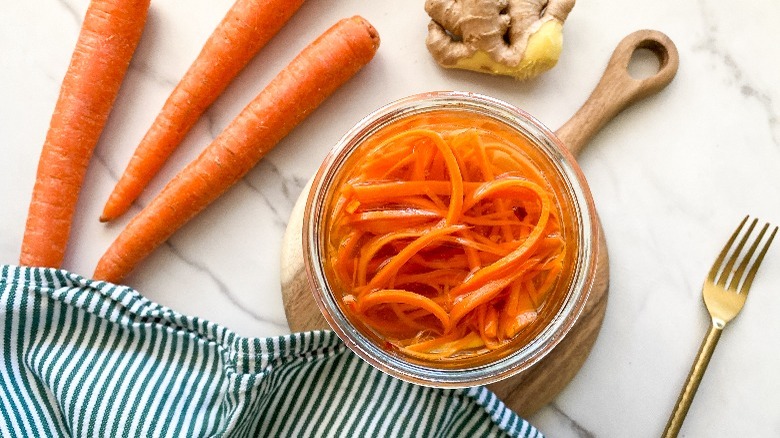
[247, 27]
[107, 40]
[306, 82]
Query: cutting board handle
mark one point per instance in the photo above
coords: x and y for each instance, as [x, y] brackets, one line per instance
[617, 89]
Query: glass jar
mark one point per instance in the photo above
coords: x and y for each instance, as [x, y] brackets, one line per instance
[564, 307]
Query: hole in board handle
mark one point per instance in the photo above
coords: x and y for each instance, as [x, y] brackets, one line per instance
[647, 60]
[644, 63]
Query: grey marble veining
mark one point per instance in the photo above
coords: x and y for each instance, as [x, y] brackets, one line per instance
[671, 177]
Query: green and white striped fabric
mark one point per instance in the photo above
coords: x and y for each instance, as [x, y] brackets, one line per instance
[92, 359]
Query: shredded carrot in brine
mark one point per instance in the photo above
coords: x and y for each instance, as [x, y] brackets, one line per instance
[445, 239]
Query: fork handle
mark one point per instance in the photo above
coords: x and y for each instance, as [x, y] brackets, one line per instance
[692, 383]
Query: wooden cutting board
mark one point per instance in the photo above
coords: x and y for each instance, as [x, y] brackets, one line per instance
[530, 390]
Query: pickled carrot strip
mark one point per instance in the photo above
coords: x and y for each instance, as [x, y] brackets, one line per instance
[459, 261]
[431, 344]
[344, 262]
[489, 325]
[433, 278]
[436, 200]
[472, 248]
[518, 322]
[406, 319]
[453, 169]
[413, 248]
[489, 221]
[525, 167]
[468, 302]
[423, 160]
[504, 187]
[469, 342]
[384, 191]
[510, 308]
[406, 218]
[373, 246]
[399, 296]
[398, 165]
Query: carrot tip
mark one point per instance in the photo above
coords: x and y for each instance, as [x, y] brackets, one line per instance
[112, 210]
[372, 32]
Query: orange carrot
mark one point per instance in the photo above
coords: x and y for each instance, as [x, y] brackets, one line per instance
[306, 82]
[402, 296]
[106, 42]
[247, 27]
[444, 240]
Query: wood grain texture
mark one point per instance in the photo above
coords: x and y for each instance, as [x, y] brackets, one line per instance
[530, 390]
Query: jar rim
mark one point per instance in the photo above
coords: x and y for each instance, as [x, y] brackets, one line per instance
[584, 210]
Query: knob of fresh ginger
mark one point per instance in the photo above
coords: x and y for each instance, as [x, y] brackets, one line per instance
[520, 38]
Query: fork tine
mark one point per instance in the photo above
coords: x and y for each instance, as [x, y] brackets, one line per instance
[746, 259]
[733, 259]
[716, 266]
[752, 273]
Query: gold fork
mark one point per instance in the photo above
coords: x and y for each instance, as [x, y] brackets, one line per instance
[723, 303]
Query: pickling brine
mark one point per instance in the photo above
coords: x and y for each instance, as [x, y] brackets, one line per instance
[447, 237]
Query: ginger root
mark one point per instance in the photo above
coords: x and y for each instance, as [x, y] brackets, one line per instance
[520, 38]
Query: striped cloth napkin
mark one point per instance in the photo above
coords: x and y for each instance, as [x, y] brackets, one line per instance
[92, 359]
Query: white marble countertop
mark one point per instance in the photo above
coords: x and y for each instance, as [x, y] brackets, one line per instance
[671, 177]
